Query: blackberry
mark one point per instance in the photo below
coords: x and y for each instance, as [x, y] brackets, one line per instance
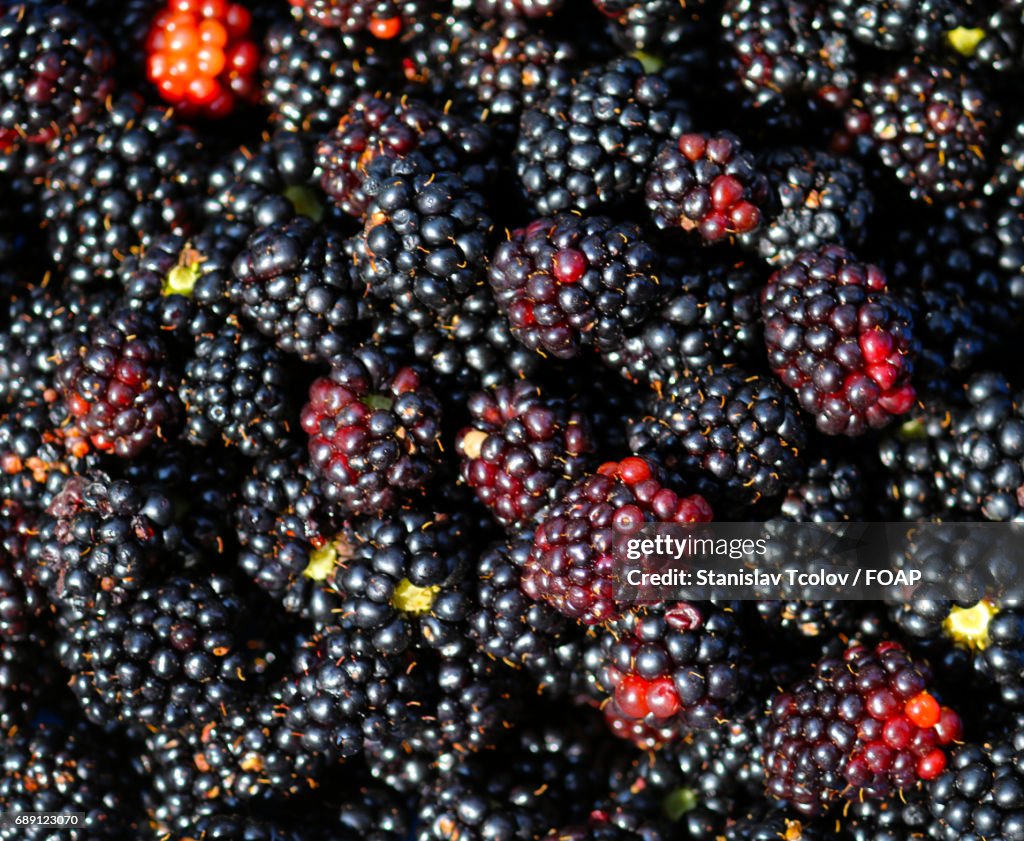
[678, 662]
[572, 282]
[648, 25]
[895, 819]
[897, 25]
[823, 200]
[217, 827]
[56, 74]
[293, 281]
[522, 449]
[589, 144]
[1001, 44]
[734, 435]
[425, 242]
[837, 338]
[117, 384]
[572, 563]
[509, 9]
[121, 181]
[832, 491]
[312, 74]
[1007, 182]
[712, 316]
[707, 183]
[168, 655]
[1009, 232]
[788, 51]
[864, 726]
[236, 389]
[374, 432]
[383, 19]
[930, 125]
[756, 828]
[386, 126]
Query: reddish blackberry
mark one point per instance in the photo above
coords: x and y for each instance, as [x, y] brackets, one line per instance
[588, 145]
[839, 340]
[864, 726]
[294, 282]
[167, 656]
[930, 125]
[832, 491]
[509, 8]
[311, 75]
[897, 25]
[236, 389]
[383, 125]
[707, 183]
[732, 435]
[425, 242]
[374, 432]
[521, 451]
[54, 73]
[823, 199]
[572, 563]
[712, 316]
[674, 663]
[127, 177]
[117, 385]
[572, 282]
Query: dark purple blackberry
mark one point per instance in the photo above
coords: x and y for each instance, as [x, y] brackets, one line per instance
[823, 199]
[117, 384]
[425, 242]
[832, 491]
[169, 655]
[509, 9]
[897, 25]
[572, 561]
[374, 432]
[572, 282]
[732, 435]
[294, 282]
[864, 726]
[788, 51]
[839, 340]
[53, 768]
[311, 75]
[930, 125]
[128, 177]
[387, 126]
[55, 71]
[707, 183]
[236, 390]
[99, 542]
[713, 316]
[522, 449]
[588, 145]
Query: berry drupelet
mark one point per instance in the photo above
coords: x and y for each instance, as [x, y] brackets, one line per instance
[588, 145]
[522, 450]
[573, 561]
[374, 432]
[707, 183]
[864, 726]
[573, 282]
[839, 340]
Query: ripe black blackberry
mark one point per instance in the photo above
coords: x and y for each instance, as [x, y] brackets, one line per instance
[707, 183]
[55, 70]
[864, 726]
[930, 125]
[898, 25]
[383, 19]
[588, 145]
[117, 384]
[839, 340]
[425, 242]
[294, 282]
[374, 431]
[573, 282]
[571, 563]
[166, 656]
[996, 41]
[1007, 182]
[822, 199]
[832, 491]
[731, 435]
[510, 9]
[1008, 227]
[712, 316]
[650, 26]
[129, 176]
[311, 74]
[236, 389]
